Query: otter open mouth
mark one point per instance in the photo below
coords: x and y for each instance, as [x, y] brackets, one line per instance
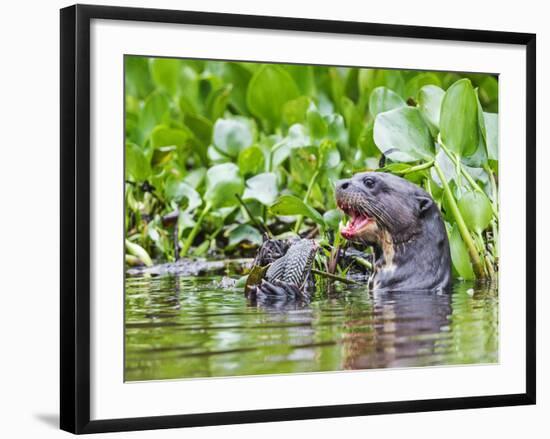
[357, 224]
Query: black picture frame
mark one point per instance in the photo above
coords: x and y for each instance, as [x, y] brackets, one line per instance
[75, 217]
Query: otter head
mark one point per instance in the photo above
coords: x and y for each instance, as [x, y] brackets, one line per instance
[382, 207]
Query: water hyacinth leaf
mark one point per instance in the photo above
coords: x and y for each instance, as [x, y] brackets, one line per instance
[244, 233]
[429, 102]
[369, 79]
[419, 81]
[402, 135]
[262, 187]
[383, 99]
[491, 126]
[162, 155]
[139, 252]
[137, 79]
[165, 73]
[303, 77]
[178, 191]
[239, 77]
[303, 163]
[251, 160]
[337, 131]
[329, 154]
[216, 103]
[458, 123]
[366, 141]
[476, 210]
[294, 111]
[232, 135]
[317, 126]
[137, 163]
[155, 110]
[269, 89]
[200, 127]
[291, 205]
[297, 138]
[352, 118]
[460, 256]
[195, 177]
[223, 183]
[332, 218]
[165, 136]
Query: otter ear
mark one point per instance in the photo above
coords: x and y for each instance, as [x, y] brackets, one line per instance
[424, 204]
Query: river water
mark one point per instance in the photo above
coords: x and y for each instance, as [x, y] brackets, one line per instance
[190, 327]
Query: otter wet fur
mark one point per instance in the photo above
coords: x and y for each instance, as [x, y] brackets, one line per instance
[404, 226]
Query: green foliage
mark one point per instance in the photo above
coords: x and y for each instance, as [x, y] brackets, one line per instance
[235, 149]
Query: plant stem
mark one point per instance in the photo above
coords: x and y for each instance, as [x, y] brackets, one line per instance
[261, 226]
[189, 241]
[462, 228]
[306, 198]
[363, 262]
[466, 174]
[334, 276]
[416, 168]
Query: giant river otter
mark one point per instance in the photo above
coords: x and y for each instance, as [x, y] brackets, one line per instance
[397, 218]
[403, 224]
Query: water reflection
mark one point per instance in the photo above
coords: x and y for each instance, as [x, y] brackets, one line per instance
[189, 327]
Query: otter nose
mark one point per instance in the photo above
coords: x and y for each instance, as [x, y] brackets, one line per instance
[342, 184]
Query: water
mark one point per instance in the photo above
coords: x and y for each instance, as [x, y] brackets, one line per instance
[179, 327]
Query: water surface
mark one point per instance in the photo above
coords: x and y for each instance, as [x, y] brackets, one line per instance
[184, 327]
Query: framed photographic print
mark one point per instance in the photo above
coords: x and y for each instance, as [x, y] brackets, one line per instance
[268, 218]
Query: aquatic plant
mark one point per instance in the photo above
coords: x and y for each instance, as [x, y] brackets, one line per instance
[219, 154]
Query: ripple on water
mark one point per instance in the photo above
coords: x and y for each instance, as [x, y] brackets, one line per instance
[189, 327]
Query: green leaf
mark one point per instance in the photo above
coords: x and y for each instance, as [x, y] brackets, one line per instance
[232, 135]
[459, 120]
[329, 155]
[216, 102]
[238, 77]
[403, 135]
[200, 127]
[296, 138]
[165, 136]
[178, 191]
[337, 131]
[154, 112]
[460, 256]
[491, 126]
[429, 102]
[291, 205]
[383, 99]
[332, 218]
[137, 79]
[139, 252]
[137, 164]
[269, 89]
[420, 80]
[165, 73]
[244, 232]
[223, 182]
[251, 160]
[316, 124]
[294, 111]
[476, 210]
[369, 79]
[162, 155]
[262, 187]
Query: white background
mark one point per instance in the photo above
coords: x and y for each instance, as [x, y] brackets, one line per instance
[30, 203]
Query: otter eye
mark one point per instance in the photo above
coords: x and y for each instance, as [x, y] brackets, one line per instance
[368, 182]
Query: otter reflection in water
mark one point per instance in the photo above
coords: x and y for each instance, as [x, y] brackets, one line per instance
[405, 328]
